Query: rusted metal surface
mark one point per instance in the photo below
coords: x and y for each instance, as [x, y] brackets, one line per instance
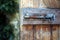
[41, 11]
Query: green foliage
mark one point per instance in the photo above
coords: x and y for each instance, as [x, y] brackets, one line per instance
[6, 29]
[9, 6]
[6, 32]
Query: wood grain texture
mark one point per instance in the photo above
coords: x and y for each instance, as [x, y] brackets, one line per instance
[40, 3]
[55, 32]
[40, 32]
[59, 32]
[52, 3]
[27, 33]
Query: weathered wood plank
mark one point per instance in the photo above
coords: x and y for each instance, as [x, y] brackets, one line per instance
[27, 33]
[40, 32]
[55, 32]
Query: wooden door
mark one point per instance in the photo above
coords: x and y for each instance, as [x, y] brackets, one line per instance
[40, 32]
[59, 32]
[55, 32]
[27, 32]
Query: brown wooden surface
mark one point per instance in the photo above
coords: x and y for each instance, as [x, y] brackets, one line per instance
[52, 3]
[40, 32]
[27, 33]
[55, 32]
[59, 33]
[40, 3]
